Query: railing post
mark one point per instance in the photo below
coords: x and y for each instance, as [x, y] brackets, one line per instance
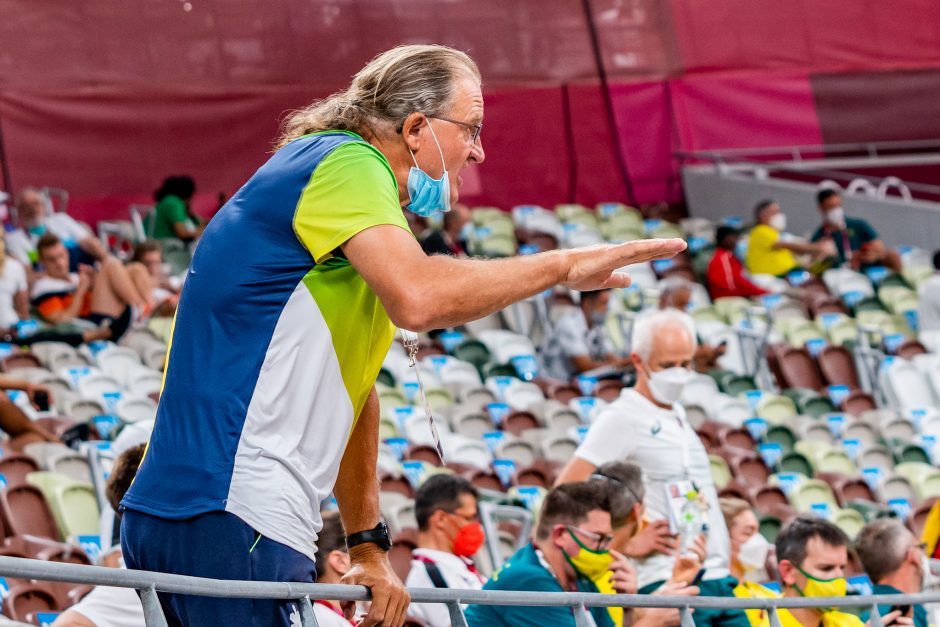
[774, 617]
[153, 612]
[875, 618]
[457, 618]
[581, 616]
[685, 617]
[307, 616]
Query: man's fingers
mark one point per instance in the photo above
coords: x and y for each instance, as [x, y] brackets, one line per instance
[377, 608]
[646, 250]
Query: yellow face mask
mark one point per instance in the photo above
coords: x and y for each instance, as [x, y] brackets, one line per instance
[815, 587]
[588, 562]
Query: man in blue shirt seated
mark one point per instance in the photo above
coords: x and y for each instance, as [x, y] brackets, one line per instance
[896, 563]
[857, 243]
[569, 553]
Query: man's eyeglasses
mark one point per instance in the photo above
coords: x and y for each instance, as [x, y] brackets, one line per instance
[475, 129]
[600, 541]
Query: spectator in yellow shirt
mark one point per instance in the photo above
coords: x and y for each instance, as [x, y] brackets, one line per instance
[768, 252]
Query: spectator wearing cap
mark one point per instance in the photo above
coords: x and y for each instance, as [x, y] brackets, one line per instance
[449, 536]
[895, 562]
[725, 272]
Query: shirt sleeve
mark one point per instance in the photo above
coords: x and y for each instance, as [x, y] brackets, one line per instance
[817, 234]
[70, 228]
[572, 338]
[606, 441]
[351, 190]
[866, 233]
[17, 275]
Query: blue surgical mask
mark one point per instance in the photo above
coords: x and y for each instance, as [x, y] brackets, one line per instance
[428, 195]
[39, 230]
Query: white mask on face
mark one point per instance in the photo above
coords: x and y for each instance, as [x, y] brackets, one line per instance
[836, 217]
[666, 385]
[778, 221]
[753, 553]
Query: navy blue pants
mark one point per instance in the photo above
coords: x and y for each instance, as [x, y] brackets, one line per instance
[218, 545]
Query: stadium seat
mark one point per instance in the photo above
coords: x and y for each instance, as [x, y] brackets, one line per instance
[74, 505]
[14, 468]
[721, 473]
[25, 512]
[849, 521]
[797, 463]
[23, 602]
[838, 366]
[812, 492]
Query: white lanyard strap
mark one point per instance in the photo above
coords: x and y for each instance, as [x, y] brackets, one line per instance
[410, 340]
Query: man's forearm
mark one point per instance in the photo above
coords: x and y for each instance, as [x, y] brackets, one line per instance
[357, 489]
[470, 289]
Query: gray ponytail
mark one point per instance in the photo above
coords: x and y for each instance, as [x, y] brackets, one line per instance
[396, 83]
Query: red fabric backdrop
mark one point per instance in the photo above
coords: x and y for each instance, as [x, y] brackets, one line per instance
[105, 99]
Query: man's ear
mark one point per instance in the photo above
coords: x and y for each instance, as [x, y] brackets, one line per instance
[339, 562]
[411, 129]
[787, 572]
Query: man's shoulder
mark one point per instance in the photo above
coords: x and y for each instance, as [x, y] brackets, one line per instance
[523, 571]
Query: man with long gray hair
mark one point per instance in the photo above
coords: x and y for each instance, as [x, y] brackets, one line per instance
[290, 306]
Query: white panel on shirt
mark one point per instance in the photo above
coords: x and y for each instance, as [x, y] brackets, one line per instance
[291, 440]
[113, 607]
[455, 573]
[667, 448]
[327, 617]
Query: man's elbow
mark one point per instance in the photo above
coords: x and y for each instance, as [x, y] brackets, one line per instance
[413, 310]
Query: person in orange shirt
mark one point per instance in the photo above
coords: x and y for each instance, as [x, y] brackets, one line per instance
[105, 296]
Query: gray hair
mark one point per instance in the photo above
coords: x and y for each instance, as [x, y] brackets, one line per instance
[625, 483]
[648, 325]
[882, 546]
[396, 83]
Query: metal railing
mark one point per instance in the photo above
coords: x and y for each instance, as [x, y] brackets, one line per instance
[149, 583]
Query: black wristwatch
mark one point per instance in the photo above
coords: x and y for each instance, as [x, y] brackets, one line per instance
[378, 536]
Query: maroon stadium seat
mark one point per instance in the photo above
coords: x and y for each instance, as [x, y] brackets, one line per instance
[26, 512]
[838, 366]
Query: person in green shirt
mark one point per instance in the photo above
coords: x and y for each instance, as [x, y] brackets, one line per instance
[895, 560]
[173, 217]
[568, 553]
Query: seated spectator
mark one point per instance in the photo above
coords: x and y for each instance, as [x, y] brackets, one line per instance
[452, 238]
[578, 343]
[676, 293]
[857, 243]
[770, 249]
[173, 216]
[14, 291]
[812, 555]
[750, 552]
[725, 272]
[895, 562]
[104, 297]
[37, 219]
[928, 312]
[14, 422]
[569, 552]
[332, 562]
[624, 482]
[106, 606]
[147, 261]
[449, 535]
